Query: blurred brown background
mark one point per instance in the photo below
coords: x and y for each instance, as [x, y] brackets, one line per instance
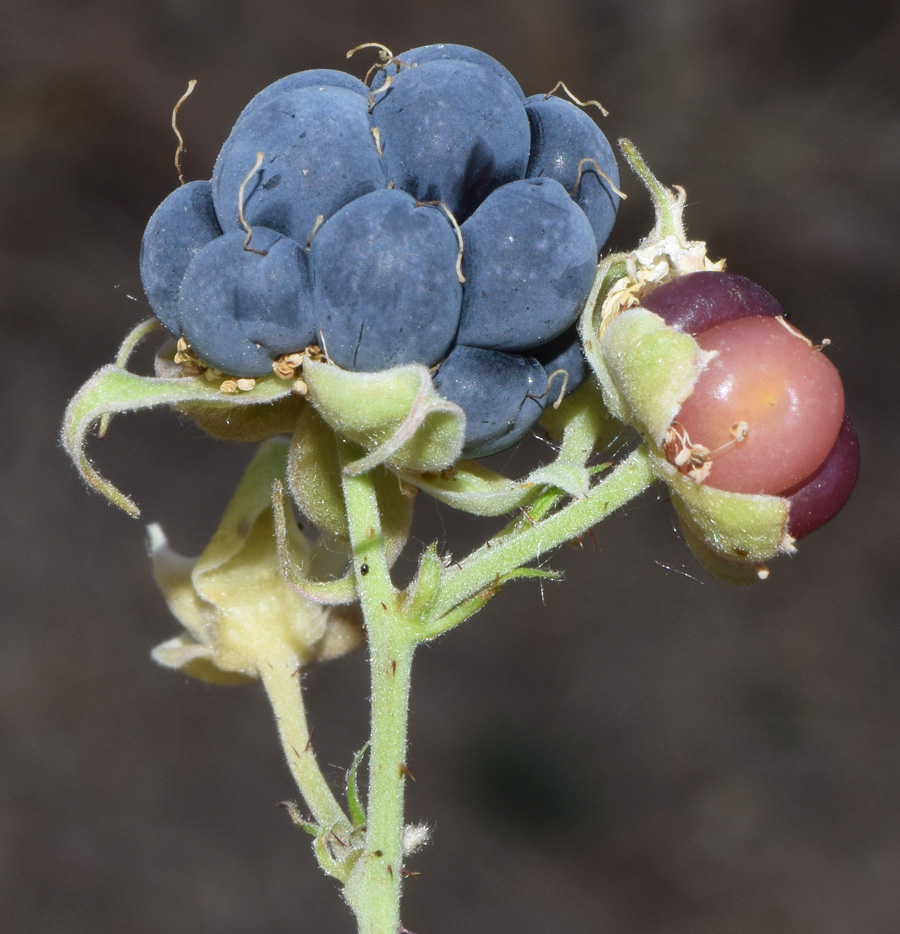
[638, 749]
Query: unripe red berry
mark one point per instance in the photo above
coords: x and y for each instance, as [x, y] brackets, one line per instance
[767, 413]
[767, 407]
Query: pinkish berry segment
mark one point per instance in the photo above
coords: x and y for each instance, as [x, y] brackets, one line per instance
[767, 413]
[767, 377]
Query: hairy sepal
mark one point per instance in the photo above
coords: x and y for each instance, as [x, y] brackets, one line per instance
[113, 390]
[582, 424]
[646, 369]
[236, 607]
[314, 481]
[471, 487]
[395, 415]
[732, 534]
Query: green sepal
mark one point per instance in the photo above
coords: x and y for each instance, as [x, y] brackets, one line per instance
[727, 570]
[354, 799]
[186, 654]
[584, 425]
[253, 423]
[582, 422]
[237, 609]
[421, 593]
[314, 475]
[330, 580]
[395, 415]
[126, 349]
[113, 390]
[396, 508]
[240, 422]
[647, 370]
[732, 534]
[314, 481]
[471, 487]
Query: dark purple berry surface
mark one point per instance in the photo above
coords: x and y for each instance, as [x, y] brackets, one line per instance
[530, 257]
[822, 496]
[702, 300]
[386, 288]
[502, 395]
[452, 131]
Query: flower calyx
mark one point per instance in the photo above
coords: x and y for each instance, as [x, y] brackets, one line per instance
[238, 610]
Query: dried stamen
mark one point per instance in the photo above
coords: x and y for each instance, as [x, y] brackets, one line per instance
[232, 386]
[782, 320]
[191, 365]
[562, 389]
[386, 57]
[376, 135]
[695, 460]
[388, 81]
[287, 366]
[384, 53]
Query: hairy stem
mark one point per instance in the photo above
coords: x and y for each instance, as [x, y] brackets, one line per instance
[667, 205]
[374, 886]
[483, 567]
[281, 679]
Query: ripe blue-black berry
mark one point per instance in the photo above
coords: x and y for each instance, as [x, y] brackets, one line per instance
[183, 224]
[452, 131]
[442, 51]
[386, 288]
[530, 257]
[568, 146]
[563, 353]
[313, 78]
[318, 155]
[502, 395]
[244, 308]
[343, 252]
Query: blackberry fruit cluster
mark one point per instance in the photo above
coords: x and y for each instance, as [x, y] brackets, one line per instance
[437, 217]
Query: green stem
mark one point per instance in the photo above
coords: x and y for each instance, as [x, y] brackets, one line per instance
[485, 566]
[668, 206]
[374, 886]
[281, 679]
